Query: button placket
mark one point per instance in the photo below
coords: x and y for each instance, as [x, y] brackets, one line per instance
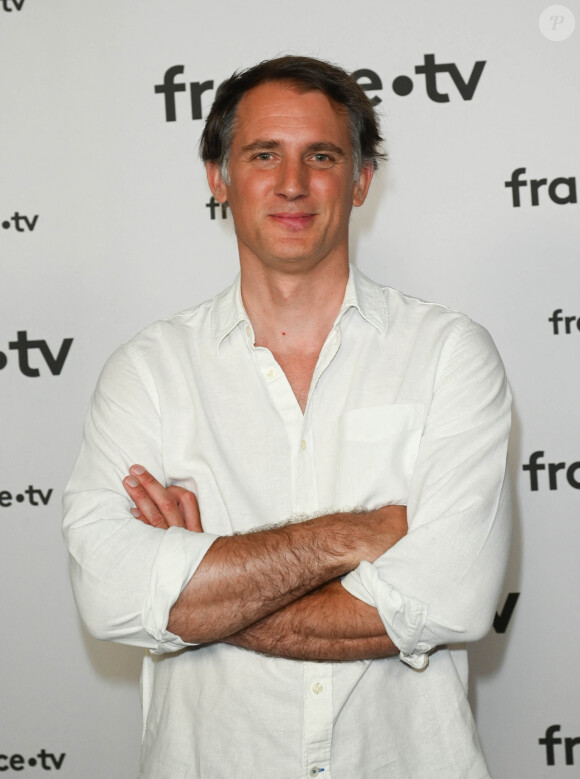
[318, 717]
[306, 494]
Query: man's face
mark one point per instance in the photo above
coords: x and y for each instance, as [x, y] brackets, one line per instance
[291, 178]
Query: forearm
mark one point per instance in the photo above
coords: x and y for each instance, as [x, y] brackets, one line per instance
[244, 578]
[326, 625]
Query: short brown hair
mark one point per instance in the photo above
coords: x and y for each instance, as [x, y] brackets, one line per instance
[304, 74]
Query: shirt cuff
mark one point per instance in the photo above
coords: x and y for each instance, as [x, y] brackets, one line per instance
[404, 617]
[180, 553]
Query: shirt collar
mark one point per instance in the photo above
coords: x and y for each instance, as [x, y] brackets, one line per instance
[228, 312]
[361, 293]
[367, 297]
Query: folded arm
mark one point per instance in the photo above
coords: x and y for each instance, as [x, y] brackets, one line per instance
[244, 579]
[440, 583]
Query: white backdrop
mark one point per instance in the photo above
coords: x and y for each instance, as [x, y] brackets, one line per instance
[105, 227]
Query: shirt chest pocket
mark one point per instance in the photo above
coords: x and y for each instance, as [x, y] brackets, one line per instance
[376, 449]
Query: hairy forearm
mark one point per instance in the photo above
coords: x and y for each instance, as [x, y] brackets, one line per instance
[244, 578]
[329, 624]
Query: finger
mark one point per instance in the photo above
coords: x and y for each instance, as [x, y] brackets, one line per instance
[188, 506]
[154, 501]
[145, 509]
[137, 514]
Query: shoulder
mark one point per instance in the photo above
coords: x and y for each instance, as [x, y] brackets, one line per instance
[406, 309]
[401, 312]
[184, 324]
[450, 325]
[166, 342]
[196, 327]
[418, 326]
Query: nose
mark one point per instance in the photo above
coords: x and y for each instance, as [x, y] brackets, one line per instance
[293, 179]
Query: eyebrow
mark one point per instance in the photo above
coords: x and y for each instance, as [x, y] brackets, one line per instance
[326, 146]
[312, 147]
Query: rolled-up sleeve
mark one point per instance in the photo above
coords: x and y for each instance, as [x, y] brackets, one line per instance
[440, 584]
[126, 576]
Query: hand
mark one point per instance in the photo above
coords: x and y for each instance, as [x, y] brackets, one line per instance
[161, 506]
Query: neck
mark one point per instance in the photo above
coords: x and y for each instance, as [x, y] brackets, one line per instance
[293, 312]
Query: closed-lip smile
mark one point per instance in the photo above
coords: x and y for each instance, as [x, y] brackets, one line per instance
[292, 219]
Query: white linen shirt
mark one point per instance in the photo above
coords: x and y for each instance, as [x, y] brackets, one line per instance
[408, 405]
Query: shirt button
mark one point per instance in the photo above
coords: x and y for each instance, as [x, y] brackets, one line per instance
[270, 373]
[314, 771]
[303, 444]
[248, 331]
[317, 688]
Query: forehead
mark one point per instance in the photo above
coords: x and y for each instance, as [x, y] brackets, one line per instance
[278, 111]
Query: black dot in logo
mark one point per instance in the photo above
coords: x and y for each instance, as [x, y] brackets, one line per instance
[6, 225]
[32, 761]
[402, 86]
[20, 498]
[3, 360]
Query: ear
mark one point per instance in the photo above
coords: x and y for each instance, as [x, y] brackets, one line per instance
[216, 183]
[361, 187]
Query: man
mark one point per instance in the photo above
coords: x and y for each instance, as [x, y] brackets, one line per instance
[322, 645]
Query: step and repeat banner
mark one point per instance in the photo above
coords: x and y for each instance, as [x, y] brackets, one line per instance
[107, 224]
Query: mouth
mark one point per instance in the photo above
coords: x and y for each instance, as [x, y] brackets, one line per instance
[293, 221]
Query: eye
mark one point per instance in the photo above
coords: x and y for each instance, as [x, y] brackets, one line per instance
[263, 159]
[322, 160]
